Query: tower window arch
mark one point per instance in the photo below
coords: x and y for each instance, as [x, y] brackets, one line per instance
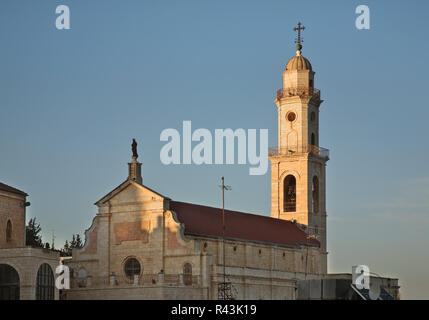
[289, 194]
[315, 194]
[187, 274]
[9, 231]
[313, 139]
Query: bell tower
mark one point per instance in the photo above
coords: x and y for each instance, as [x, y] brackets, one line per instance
[298, 163]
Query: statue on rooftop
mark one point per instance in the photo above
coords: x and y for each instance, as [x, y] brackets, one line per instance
[134, 149]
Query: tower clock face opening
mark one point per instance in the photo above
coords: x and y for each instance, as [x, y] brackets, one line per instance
[291, 116]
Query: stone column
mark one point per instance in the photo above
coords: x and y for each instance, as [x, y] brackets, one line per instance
[136, 280]
[161, 278]
[112, 279]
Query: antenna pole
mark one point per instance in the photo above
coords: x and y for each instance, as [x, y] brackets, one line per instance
[223, 227]
[224, 288]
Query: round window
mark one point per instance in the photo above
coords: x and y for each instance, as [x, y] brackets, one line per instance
[291, 116]
[132, 268]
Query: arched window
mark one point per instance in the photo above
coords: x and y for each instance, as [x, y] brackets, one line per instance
[9, 283]
[9, 231]
[313, 139]
[132, 268]
[315, 194]
[187, 274]
[45, 289]
[289, 194]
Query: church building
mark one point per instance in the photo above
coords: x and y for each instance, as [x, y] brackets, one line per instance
[144, 245]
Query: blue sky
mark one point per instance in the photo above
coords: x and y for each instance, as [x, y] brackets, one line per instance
[71, 101]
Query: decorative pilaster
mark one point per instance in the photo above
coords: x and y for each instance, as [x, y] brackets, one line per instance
[135, 171]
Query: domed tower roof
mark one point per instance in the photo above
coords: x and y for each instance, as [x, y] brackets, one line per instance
[298, 63]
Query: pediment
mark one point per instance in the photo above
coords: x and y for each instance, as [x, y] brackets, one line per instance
[130, 192]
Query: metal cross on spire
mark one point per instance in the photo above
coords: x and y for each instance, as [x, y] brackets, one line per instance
[300, 28]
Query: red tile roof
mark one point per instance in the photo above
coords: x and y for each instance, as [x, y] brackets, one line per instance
[207, 221]
[5, 187]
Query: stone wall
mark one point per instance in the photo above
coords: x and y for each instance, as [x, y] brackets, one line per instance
[27, 261]
[12, 208]
[137, 293]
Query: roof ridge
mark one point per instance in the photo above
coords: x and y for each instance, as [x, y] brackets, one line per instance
[117, 190]
[241, 212]
[7, 188]
[206, 221]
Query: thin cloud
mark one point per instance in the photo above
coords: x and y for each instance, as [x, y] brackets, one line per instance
[411, 205]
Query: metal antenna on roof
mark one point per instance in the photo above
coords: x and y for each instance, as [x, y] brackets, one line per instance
[224, 288]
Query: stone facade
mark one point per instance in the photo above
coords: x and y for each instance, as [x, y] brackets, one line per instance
[12, 211]
[25, 261]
